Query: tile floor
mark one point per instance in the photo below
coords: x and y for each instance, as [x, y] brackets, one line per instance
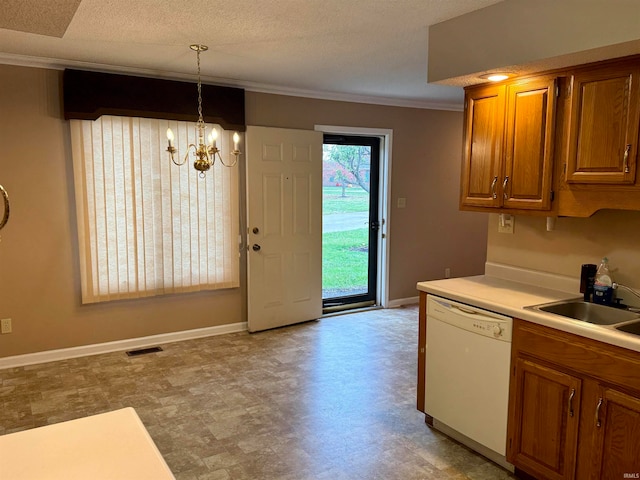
[333, 399]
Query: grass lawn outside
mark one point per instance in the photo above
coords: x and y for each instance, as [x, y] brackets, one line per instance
[355, 200]
[345, 260]
[344, 253]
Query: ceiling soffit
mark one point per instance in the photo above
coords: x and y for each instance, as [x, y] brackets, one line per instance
[525, 36]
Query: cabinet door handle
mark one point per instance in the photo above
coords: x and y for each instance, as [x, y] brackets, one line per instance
[504, 187]
[598, 422]
[625, 159]
[493, 188]
[573, 393]
[5, 197]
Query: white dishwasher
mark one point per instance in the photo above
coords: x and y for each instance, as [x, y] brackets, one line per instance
[468, 356]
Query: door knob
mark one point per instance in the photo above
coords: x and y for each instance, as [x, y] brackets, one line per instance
[256, 247]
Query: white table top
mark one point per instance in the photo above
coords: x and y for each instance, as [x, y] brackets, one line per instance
[113, 446]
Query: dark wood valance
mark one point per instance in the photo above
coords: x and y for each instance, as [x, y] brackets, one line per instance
[88, 95]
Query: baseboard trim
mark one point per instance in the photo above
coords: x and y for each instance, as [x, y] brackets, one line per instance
[401, 302]
[119, 345]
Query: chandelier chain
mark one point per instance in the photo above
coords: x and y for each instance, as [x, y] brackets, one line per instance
[200, 120]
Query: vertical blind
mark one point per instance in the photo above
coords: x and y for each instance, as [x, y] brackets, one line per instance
[146, 226]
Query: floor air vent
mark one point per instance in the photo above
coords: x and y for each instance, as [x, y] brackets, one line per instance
[143, 351]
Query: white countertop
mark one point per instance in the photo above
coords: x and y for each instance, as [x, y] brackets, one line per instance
[510, 297]
[109, 446]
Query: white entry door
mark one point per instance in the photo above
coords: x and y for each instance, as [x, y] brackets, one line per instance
[284, 218]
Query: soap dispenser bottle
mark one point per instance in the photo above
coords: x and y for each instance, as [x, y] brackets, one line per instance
[603, 284]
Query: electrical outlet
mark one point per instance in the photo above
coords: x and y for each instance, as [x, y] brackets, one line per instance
[447, 272]
[402, 202]
[505, 223]
[5, 325]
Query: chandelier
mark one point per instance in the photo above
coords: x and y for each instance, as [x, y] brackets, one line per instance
[204, 154]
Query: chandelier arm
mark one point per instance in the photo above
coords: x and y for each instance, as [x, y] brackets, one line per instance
[186, 155]
[235, 161]
[216, 153]
[173, 158]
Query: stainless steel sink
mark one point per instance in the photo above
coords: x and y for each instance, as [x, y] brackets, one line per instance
[633, 327]
[588, 312]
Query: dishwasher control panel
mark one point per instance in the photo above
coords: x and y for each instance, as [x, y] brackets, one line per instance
[473, 319]
[489, 328]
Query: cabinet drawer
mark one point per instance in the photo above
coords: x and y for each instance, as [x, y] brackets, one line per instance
[608, 363]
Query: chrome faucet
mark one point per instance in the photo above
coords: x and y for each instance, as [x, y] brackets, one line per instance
[628, 289]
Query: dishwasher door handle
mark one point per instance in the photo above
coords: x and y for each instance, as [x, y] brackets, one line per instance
[470, 312]
[466, 310]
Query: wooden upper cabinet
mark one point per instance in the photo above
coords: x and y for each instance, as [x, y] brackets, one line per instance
[483, 134]
[529, 140]
[508, 145]
[603, 125]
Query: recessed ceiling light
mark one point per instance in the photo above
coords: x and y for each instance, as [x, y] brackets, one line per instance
[495, 77]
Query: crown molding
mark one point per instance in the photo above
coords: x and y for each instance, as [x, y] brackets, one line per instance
[60, 64]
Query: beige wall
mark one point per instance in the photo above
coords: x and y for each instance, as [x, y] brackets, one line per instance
[430, 234]
[39, 274]
[574, 241]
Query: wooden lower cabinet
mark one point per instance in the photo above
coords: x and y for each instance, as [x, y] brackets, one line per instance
[422, 351]
[574, 406]
[545, 411]
[617, 436]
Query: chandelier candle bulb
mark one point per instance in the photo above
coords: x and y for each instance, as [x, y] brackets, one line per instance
[236, 140]
[213, 136]
[170, 137]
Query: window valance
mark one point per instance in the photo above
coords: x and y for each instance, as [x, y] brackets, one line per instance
[89, 95]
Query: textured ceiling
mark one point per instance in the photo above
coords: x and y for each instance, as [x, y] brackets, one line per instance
[48, 17]
[363, 50]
